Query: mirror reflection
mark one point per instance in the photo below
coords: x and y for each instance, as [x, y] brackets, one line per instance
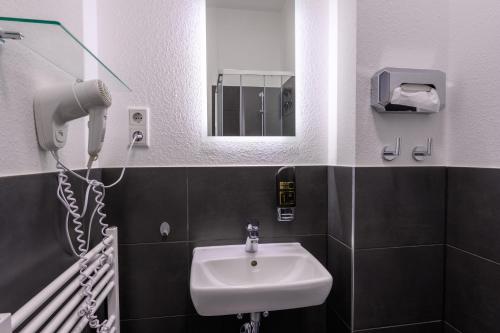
[250, 67]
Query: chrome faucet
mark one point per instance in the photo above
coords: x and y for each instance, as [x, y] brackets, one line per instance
[252, 244]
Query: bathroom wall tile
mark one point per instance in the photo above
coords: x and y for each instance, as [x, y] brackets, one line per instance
[32, 237]
[315, 244]
[398, 286]
[219, 324]
[221, 200]
[473, 210]
[312, 202]
[472, 292]
[340, 203]
[339, 266]
[177, 324]
[154, 280]
[335, 324]
[144, 199]
[304, 320]
[434, 327]
[399, 206]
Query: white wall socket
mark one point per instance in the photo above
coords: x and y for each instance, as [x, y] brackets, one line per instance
[139, 122]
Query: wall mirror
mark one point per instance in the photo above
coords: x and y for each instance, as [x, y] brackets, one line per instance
[251, 67]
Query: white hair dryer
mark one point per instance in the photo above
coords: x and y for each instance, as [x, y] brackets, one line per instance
[55, 106]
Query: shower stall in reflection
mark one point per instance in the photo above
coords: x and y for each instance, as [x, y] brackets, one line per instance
[253, 103]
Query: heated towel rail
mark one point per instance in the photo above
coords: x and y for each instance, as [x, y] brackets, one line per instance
[56, 307]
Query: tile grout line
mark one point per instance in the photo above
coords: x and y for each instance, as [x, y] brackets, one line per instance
[399, 247]
[339, 241]
[341, 320]
[353, 237]
[187, 204]
[190, 253]
[445, 238]
[396, 326]
[157, 317]
[453, 327]
[474, 255]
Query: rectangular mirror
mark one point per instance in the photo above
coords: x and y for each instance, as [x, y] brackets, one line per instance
[251, 67]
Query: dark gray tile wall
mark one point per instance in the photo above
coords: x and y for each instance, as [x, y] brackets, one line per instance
[205, 206]
[473, 292]
[398, 256]
[399, 241]
[340, 203]
[474, 211]
[394, 266]
[33, 246]
[340, 206]
[221, 200]
[399, 206]
[144, 199]
[340, 267]
[473, 252]
[395, 286]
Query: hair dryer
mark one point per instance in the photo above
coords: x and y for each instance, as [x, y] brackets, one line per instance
[55, 106]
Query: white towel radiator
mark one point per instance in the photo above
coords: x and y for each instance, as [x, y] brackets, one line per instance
[55, 308]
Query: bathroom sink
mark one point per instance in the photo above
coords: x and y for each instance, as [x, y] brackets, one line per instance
[228, 280]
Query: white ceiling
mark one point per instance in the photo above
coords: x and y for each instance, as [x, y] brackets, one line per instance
[263, 5]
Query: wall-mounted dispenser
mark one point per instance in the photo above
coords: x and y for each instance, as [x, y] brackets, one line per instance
[406, 90]
[286, 194]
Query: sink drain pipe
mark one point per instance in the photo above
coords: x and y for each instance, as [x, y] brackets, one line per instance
[253, 325]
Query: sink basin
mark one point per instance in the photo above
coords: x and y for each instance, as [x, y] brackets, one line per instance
[227, 280]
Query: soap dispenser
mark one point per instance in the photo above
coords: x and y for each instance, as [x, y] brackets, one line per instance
[286, 194]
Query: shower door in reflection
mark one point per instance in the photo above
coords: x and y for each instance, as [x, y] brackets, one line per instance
[254, 104]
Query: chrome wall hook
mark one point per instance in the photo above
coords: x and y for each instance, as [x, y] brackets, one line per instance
[390, 154]
[165, 229]
[420, 153]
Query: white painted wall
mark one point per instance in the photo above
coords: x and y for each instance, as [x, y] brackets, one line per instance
[159, 48]
[343, 85]
[167, 72]
[474, 75]
[21, 74]
[400, 33]
[433, 34]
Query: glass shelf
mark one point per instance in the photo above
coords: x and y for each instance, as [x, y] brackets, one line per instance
[56, 44]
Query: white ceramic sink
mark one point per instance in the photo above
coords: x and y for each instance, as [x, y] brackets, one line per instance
[227, 280]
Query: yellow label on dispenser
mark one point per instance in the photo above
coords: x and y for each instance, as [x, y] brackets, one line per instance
[287, 194]
[287, 185]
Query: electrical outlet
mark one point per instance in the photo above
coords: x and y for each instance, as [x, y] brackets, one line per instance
[138, 116]
[144, 142]
[139, 123]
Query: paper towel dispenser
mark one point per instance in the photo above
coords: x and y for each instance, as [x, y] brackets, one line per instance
[407, 90]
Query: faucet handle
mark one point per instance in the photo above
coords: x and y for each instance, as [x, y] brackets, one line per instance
[253, 227]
